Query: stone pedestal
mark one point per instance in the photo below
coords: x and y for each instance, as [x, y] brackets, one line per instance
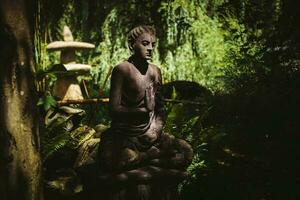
[146, 183]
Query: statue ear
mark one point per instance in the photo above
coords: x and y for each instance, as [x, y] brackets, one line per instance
[131, 47]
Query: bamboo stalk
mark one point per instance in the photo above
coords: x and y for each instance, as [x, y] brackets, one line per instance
[85, 89]
[106, 100]
[83, 101]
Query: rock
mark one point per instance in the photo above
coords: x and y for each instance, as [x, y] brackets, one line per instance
[87, 153]
[100, 128]
[186, 90]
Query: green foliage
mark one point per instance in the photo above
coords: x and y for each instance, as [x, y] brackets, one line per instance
[192, 45]
[66, 185]
[47, 102]
[244, 51]
[64, 138]
[62, 132]
[196, 45]
[53, 145]
[244, 58]
[111, 50]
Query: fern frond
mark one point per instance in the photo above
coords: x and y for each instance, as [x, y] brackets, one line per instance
[55, 144]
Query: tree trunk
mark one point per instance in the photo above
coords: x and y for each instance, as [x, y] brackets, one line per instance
[20, 165]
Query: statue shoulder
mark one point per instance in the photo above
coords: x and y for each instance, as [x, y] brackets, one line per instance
[122, 68]
[156, 74]
[156, 71]
[155, 68]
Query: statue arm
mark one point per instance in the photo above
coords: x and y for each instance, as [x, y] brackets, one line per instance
[116, 108]
[159, 103]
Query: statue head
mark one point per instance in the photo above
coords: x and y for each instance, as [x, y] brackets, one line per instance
[141, 41]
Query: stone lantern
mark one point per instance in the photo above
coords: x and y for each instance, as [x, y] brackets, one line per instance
[66, 87]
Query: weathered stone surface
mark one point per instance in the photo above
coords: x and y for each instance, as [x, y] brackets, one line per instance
[67, 88]
[141, 175]
[145, 183]
[59, 45]
[137, 160]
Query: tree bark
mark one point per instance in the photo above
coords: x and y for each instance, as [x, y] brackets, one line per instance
[20, 164]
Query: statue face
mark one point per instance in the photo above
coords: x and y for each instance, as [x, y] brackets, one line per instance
[144, 45]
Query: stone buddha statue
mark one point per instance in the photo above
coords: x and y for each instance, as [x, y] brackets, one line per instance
[136, 136]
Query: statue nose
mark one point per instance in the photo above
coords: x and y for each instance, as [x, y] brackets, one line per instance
[150, 47]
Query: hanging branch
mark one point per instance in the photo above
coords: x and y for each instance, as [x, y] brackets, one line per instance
[182, 101]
